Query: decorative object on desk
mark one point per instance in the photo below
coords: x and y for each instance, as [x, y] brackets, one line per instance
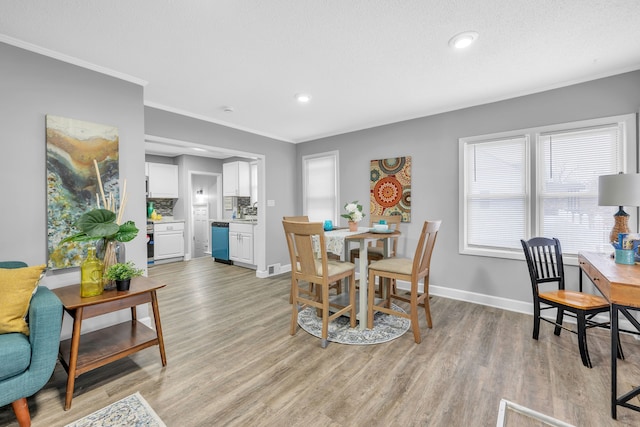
[133, 410]
[328, 225]
[619, 190]
[104, 225]
[91, 274]
[381, 228]
[385, 328]
[354, 214]
[390, 187]
[71, 145]
[625, 256]
[122, 273]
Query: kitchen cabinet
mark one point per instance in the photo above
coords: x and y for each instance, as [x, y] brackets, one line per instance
[162, 181]
[241, 243]
[236, 180]
[168, 240]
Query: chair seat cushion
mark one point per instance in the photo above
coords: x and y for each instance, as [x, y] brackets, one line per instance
[15, 353]
[334, 267]
[393, 265]
[17, 285]
[575, 299]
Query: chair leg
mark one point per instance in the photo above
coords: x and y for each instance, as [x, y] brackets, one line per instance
[559, 318]
[536, 320]
[294, 308]
[427, 311]
[21, 409]
[415, 325]
[370, 298]
[325, 316]
[582, 339]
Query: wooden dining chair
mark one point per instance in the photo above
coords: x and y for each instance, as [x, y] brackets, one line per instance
[544, 261]
[307, 267]
[412, 271]
[375, 251]
[310, 288]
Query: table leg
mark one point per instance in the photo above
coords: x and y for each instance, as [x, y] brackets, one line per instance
[73, 357]
[364, 271]
[156, 318]
[614, 360]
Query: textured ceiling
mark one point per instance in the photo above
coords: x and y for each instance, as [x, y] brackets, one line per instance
[365, 62]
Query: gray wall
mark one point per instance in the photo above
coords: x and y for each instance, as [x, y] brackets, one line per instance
[32, 86]
[280, 166]
[433, 144]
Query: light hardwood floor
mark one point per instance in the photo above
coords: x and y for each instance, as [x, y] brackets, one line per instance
[232, 362]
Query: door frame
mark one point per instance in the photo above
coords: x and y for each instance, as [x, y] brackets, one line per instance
[190, 201]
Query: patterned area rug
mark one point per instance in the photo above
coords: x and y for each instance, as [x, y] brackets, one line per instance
[131, 411]
[385, 328]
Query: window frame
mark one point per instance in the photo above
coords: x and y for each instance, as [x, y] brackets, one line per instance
[628, 164]
[329, 154]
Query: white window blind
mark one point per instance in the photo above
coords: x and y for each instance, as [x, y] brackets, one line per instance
[320, 192]
[496, 181]
[542, 182]
[569, 166]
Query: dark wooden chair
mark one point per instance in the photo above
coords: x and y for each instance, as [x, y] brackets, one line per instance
[410, 270]
[544, 260]
[306, 267]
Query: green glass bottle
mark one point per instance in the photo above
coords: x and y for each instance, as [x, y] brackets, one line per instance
[91, 275]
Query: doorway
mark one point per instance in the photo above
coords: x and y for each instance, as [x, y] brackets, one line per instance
[205, 207]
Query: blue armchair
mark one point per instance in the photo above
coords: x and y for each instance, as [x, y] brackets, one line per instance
[28, 361]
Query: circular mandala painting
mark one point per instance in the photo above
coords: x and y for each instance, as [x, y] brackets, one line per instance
[390, 185]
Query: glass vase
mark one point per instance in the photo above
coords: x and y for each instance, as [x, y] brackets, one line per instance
[91, 271]
[111, 252]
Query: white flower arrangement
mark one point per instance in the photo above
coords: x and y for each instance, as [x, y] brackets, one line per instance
[354, 212]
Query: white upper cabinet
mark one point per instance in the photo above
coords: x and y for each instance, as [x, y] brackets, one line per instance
[236, 179]
[162, 180]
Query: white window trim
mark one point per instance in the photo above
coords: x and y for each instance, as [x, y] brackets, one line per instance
[630, 152]
[334, 154]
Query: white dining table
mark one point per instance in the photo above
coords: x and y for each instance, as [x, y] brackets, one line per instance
[337, 242]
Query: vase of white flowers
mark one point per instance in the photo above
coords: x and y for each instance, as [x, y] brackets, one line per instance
[354, 215]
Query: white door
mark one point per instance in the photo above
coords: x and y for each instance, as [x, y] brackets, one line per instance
[201, 231]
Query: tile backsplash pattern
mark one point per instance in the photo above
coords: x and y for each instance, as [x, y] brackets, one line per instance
[163, 207]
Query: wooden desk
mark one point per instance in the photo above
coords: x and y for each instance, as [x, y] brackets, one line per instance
[620, 285]
[114, 342]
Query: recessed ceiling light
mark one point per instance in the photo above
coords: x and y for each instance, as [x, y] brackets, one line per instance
[228, 109]
[303, 97]
[462, 40]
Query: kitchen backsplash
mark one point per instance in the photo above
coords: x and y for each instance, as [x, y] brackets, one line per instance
[163, 207]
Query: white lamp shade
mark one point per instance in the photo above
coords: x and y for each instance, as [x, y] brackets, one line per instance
[619, 190]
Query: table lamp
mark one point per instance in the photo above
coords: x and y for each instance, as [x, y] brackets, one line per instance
[620, 190]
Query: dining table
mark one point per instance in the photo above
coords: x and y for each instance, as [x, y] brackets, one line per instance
[338, 242]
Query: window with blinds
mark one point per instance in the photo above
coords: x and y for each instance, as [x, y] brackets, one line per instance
[541, 182]
[320, 186]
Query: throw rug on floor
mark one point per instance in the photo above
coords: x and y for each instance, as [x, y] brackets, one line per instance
[385, 327]
[131, 411]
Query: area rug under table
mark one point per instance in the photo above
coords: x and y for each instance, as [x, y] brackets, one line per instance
[131, 411]
[385, 328]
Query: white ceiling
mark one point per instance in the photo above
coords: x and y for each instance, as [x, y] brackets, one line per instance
[364, 62]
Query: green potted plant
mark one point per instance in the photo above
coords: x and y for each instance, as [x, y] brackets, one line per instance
[122, 272]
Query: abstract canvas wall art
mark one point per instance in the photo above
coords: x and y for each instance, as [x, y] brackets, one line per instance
[390, 185]
[72, 182]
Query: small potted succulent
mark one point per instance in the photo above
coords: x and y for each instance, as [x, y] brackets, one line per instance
[122, 274]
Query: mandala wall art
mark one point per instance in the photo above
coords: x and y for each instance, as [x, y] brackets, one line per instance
[390, 184]
[72, 182]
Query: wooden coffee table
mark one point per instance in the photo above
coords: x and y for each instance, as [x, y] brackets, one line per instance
[104, 346]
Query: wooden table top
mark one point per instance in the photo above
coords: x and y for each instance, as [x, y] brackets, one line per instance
[618, 283]
[71, 299]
